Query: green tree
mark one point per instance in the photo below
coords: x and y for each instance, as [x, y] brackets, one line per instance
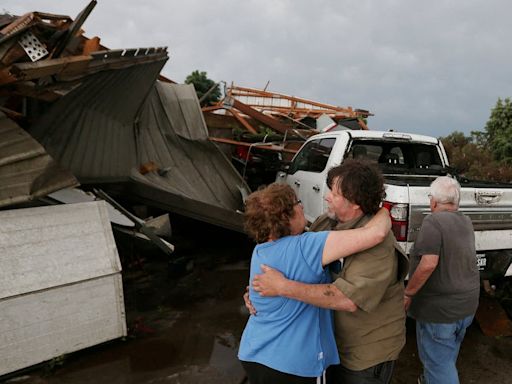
[202, 85]
[462, 152]
[498, 131]
[474, 160]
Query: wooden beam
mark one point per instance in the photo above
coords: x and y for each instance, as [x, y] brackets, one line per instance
[257, 115]
[242, 121]
[29, 89]
[91, 45]
[212, 108]
[28, 71]
[362, 124]
[267, 146]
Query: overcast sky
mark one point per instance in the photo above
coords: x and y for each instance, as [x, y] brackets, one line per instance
[429, 67]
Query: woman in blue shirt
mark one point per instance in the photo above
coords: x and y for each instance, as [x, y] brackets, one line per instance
[290, 341]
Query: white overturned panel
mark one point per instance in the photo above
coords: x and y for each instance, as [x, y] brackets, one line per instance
[50, 246]
[66, 291]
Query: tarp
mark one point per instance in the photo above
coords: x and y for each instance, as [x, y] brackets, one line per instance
[26, 170]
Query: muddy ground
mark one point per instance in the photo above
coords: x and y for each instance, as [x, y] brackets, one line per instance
[185, 328]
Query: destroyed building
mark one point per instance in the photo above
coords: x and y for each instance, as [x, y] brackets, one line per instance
[109, 119]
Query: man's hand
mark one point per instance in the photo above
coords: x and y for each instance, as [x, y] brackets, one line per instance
[269, 283]
[248, 303]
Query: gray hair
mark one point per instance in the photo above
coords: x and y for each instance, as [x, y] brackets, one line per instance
[445, 190]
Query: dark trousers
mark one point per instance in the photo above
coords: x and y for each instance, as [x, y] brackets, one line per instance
[378, 374]
[261, 374]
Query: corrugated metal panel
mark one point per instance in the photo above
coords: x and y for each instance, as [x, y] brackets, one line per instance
[175, 138]
[181, 106]
[91, 129]
[60, 283]
[26, 170]
[118, 120]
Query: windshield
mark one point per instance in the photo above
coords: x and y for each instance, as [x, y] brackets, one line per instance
[401, 157]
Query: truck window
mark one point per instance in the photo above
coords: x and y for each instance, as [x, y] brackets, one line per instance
[313, 157]
[398, 157]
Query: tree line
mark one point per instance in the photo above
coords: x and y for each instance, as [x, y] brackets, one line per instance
[487, 154]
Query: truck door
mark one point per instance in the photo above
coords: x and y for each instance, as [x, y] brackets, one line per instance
[307, 175]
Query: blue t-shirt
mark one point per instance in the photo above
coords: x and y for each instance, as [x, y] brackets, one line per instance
[288, 335]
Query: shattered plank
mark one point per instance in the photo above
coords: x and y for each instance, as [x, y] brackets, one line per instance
[257, 115]
[73, 29]
[242, 121]
[67, 65]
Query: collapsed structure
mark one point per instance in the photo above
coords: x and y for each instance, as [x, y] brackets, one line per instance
[109, 118]
[102, 118]
[73, 112]
[267, 128]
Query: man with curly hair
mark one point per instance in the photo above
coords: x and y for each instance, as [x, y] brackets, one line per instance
[370, 331]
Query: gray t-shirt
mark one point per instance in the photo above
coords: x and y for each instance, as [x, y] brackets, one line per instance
[452, 291]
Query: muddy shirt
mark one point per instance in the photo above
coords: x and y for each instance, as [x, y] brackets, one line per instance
[452, 291]
[374, 281]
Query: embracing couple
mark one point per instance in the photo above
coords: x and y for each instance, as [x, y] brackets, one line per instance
[348, 262]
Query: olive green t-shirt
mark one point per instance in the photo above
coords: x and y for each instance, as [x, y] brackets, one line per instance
[374, 281]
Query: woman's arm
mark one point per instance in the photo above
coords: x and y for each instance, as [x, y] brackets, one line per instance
[344, 243]
[271, 282]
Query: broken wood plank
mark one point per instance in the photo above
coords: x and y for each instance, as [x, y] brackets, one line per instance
[268, 146]
[242, 121]
[38, 69]
[91, 45]
[261, 117]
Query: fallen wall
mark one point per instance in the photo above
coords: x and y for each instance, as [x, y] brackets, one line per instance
[60, 283]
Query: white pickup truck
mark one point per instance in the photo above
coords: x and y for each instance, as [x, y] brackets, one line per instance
[409, 163]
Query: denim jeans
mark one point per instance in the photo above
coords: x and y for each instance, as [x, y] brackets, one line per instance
[438, 348]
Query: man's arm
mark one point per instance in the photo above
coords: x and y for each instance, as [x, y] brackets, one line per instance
[426, 266]
[273, 283]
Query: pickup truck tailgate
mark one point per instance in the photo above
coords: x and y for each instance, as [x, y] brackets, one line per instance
[490, 210]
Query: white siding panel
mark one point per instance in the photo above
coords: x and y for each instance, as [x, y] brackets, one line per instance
[60, 283]
[51, 246]
[46, 324]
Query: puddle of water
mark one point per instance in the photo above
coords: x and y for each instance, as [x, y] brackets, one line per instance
[187, 333]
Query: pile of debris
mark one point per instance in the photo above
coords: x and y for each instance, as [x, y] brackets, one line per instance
[265, 129]
[108, 119]
[74, 113]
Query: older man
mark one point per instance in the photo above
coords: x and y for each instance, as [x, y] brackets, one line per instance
[367, 292]
[444, 286]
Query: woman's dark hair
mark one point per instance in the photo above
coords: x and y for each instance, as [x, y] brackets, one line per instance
[268, 212]
[360, 182]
